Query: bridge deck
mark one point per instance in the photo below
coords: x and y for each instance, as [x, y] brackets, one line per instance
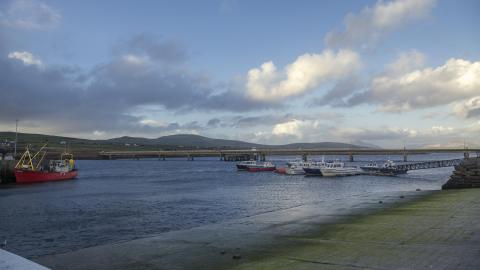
[220, 152]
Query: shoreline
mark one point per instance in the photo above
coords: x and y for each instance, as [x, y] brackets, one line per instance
[233, 243]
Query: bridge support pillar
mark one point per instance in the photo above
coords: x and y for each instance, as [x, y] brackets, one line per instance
[466, 154]
[304, 157]
[405, 159]
[350, 157]
[262, 157]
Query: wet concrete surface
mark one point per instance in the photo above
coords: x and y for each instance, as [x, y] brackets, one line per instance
[441, 231]
[288, 238]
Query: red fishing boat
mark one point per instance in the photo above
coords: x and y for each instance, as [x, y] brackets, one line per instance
[262, 167]
[29, 168]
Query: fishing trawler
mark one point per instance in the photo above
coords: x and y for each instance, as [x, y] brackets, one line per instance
[30, 168]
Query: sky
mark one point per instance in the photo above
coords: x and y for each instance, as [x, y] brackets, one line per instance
[390, 73]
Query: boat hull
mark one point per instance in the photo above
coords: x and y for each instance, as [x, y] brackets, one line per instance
[242, 167]
[297, 171]
[313, 171]
[332, 172]
[261, 169]
[25, 176]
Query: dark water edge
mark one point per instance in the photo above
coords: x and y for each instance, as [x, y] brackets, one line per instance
[122, 200]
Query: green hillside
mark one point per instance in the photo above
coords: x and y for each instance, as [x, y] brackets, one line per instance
[179, 141]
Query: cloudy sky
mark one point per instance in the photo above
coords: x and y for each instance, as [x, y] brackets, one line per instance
[383, 72]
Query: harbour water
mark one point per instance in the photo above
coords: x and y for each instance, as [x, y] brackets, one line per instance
[121, 200]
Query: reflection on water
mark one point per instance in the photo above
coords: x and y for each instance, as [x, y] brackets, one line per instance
[121, 200]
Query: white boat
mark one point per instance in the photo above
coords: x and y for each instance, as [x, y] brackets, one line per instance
[337, 168]
[313, 168]
[294, 170]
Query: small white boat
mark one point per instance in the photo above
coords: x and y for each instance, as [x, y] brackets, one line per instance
[337, 168]
[294, 170]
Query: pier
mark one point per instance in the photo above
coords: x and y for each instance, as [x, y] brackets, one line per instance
[261, 154]
[428, 164]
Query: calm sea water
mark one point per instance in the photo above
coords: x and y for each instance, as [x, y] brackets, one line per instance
[122, 200]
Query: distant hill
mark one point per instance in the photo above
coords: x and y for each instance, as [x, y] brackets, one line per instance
[184, 141]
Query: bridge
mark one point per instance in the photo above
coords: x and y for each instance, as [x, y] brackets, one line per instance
[245, 154]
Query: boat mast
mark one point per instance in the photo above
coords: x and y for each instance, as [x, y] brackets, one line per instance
[16, 139]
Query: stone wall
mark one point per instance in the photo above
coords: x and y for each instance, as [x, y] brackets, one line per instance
[465, 175]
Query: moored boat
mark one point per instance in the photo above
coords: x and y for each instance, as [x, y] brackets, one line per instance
[337, 168]
[313, 168]
[388, 168]
[243, 166]
[29, 168]
[261, 167]
[313, 171]
[294, 170]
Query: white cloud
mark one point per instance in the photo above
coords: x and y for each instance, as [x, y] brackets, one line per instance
[391, 136]
[371, 23]
[289, 128]
[99, 134]
[26, 58]
[30, 14]
[151, 123]
[307, 72]
[406, 62]
[379, 134]
[457, 79]
[296, 129]
[134, 60]
[468, 108]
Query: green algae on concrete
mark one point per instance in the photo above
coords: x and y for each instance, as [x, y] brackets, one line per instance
[440, 231]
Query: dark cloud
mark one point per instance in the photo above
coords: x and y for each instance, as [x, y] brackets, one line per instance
[30, 15]
[339, 94]
[144, 72]
[173, 127]
[214, 122]
[266, 120]
[166, 51]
